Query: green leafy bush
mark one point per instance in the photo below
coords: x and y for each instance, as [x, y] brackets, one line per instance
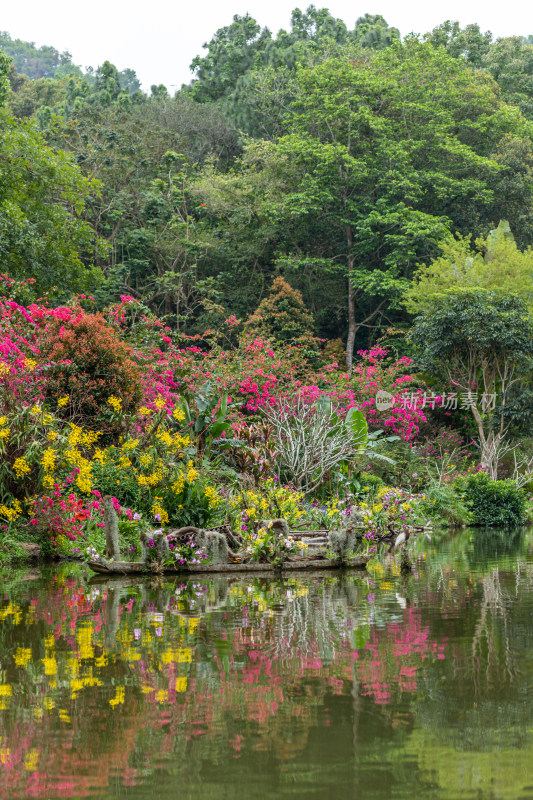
[494, 503]
[369, 481]
[443, 505]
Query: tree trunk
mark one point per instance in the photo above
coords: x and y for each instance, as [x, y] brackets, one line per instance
[351, 303]
[351, 326]
[490, 444]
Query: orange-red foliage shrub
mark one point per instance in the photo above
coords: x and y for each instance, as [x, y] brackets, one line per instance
[87, 361]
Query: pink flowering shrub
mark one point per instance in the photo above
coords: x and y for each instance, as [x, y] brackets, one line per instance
[56, 516]
[157, 366]
[62, 365]
[375, 372]
[20, 375]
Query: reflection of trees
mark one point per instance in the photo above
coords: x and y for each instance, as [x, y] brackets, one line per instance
[487, 612]
[319, 628]
[492, 545]
[480, 699]
[133, 673]
[225, 677]
[195, 672]
[492, 657]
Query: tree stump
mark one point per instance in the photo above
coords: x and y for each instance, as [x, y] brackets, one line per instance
[112, 541]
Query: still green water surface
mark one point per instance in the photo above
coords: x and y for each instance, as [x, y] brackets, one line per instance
[355, 685]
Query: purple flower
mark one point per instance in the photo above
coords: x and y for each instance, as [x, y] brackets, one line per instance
[136, 515]
[137, 633]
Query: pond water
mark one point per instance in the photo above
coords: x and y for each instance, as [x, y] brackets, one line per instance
[356, 685]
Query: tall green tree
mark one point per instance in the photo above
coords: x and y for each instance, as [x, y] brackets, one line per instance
[494, 263]
[373, 31]
[468, 43]
[42, 194]
[510, 62]
[382, 159]
[397, 141]
[232, 51]
[242, 60]
[479, 343]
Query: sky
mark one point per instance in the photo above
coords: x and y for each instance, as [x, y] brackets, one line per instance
[159, 38]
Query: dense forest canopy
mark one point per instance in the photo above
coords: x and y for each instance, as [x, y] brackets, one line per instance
[346, 161]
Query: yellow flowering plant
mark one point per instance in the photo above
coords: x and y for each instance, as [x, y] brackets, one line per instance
[269, 544]
[148, 470]
[391, 509]
[246, 507]
[115, 403]
[327, 514]
[26, 452]
[150, 473]
[185, 498]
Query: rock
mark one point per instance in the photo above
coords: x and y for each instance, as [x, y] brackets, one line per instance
[32, 549]
[215, 545]
[278, 526]
[31, 576]
[342, 543]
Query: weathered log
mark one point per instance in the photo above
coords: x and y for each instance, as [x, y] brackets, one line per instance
[319, 534]
[136, 567]
[111, 529]
[214, 542]
[177, 533]
[118, 567]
